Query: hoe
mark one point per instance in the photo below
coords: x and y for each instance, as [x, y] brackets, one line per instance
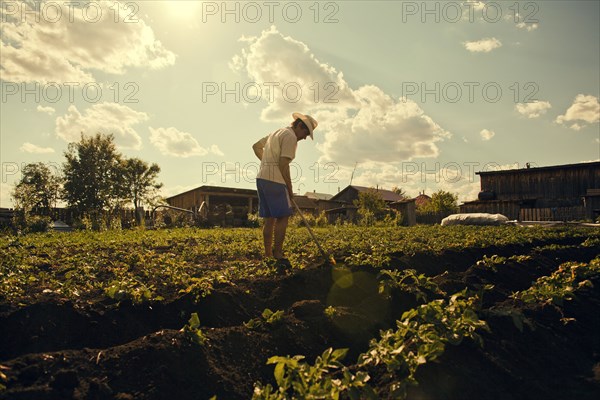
[328, 259]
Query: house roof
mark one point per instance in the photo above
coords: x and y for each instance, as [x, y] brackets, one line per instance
[318, 196]
[595, 164]
[422, 199]
[305, 202]
[218, 189]
[387, 195]
[340, 209]
[403, 201]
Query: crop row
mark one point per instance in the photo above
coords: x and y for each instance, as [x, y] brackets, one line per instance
[421, 336]
[161, 265]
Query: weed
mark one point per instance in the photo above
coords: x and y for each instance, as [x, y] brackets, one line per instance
[192, 330]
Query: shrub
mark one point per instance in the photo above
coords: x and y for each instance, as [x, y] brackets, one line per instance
[312, 220]
[254, 221]
[28, 223]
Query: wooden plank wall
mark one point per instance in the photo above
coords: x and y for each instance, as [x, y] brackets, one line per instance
[553, 214]
[569, 183]
[508, 209]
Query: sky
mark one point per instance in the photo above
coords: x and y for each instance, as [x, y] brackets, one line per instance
[409, 94]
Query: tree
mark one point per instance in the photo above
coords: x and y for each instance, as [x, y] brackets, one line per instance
[93, 174]
[140, 181]
[399, 191]
[441, 202]
[37, 189]
[371, 206]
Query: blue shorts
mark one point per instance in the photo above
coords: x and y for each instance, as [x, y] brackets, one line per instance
[273, 199]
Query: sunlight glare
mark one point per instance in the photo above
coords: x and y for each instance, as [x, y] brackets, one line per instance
[183, 8]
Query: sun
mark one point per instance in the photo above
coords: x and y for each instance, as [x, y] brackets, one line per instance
[183, 8]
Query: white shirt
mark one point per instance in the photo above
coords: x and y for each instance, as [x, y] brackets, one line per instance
[281, 143]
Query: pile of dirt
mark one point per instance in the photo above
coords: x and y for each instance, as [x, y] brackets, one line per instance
[56, 349]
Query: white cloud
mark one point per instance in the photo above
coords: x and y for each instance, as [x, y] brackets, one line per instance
[504, 167]
[527, 26]
[173, 190]
[415, 177]
[528, 22]
[214, 149]
[363, 124]
[533, 109]
[295, 66]
[476, 5]
[585, 108]
[170, 141]
[5, 195]
[383, 129]
[483, 45]
[105, 118]
[576, 127]
[63, 50]
[46, 110]
[32, 148]
[487, 134]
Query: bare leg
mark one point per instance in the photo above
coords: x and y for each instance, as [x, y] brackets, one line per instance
[280, 227]
[268, 227]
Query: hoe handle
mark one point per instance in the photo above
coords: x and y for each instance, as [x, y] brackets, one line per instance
[310, 231]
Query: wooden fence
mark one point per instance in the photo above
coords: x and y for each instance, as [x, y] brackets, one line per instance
[575, 213]
[68, 215]
[431, 218]
[553, 214]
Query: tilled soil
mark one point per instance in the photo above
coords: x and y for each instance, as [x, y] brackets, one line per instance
[57, 349]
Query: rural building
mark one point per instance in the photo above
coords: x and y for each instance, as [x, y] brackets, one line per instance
[344, 209]
[318, 196]
[314, 202]
[561, 192]
[307, 204]
[230, 206]
[351, 192]
[408, 209]
[225, 206]
[422, 199]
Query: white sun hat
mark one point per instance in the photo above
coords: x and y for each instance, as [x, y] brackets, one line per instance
[309, 121]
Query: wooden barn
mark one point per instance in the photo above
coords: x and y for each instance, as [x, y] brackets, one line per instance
[561, 192]
[225, 206]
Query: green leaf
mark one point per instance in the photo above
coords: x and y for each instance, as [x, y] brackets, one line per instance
[279, 373]
[194, 321]
[339, 354]
[253, 323]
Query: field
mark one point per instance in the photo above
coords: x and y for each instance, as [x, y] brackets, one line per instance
[426, 312]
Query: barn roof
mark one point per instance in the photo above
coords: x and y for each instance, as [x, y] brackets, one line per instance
[387, 195]
[318, 196]
[595, 164]
[220, 190]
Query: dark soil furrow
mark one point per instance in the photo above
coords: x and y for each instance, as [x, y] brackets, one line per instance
[59, 349]
[61, 325]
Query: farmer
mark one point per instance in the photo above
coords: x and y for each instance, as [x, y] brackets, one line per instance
[273, 182]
